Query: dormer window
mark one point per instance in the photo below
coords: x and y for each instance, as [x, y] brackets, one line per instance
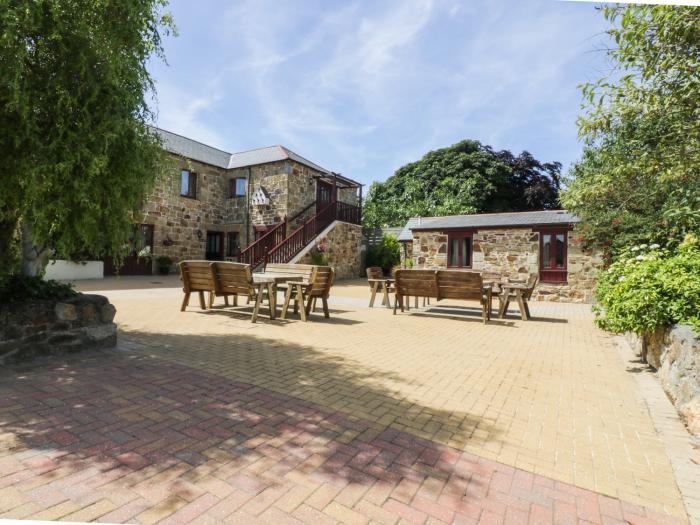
[188, 184]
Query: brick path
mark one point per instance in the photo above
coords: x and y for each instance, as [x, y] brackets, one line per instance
[203, 417]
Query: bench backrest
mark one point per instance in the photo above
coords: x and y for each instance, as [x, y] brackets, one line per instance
[416, 283]
[232, 278]
[306, 271]
[375, 272]
[322, 282]
[196, 276]
[455, 284]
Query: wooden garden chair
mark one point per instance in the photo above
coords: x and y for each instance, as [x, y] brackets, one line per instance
[196, 277]
[518, 292]
[378, 283]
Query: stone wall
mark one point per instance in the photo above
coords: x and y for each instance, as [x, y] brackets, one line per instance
[176, 219]
[342, 245]
[675, 353]
[513, 254]
[83, 322]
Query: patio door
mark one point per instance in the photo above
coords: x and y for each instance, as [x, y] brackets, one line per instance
[215, 246]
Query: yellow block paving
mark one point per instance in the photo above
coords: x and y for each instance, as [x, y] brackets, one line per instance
[550, 395]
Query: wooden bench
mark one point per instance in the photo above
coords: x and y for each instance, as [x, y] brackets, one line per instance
[196, 277]
[443, 284]
[232, 279]
[318, 288]
[305, 271]
[378, 283]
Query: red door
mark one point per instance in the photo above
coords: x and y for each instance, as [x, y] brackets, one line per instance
[324, 194]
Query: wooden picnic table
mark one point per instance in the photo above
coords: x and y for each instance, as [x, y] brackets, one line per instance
[376, 283]
[269, 281]
[516, 290]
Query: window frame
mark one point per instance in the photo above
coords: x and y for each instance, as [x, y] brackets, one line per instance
[460, 235]
[553, 274]
[191, 184]
[233, 188]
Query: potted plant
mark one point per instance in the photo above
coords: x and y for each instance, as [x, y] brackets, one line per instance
[164, 263]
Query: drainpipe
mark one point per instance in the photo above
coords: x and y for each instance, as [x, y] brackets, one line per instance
[247, 208]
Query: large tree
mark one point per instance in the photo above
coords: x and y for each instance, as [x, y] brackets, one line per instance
[467, 177]
[76, 152]
[639, 178]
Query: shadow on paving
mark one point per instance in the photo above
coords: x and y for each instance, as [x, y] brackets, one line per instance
[125, 416]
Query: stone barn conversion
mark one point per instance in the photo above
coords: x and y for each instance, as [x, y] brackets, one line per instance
[507, 246]
[245, 207]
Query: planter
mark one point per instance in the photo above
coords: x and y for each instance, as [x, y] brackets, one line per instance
[62, 270]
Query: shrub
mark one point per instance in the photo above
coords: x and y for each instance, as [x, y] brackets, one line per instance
[318, 256]
[386, 254]
[18, 288]
[649, 287]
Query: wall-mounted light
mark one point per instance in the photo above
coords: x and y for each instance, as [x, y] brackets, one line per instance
[199, 234]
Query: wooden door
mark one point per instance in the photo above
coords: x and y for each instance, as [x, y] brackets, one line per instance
[215, 246]
[139, 260]
[324, 194]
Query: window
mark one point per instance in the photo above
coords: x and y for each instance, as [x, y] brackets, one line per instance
[188, 184]
[553, 256]
[238, 188]
[232, 246]
[459, 250]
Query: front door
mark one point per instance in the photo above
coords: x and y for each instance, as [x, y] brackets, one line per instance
[324, 194]
[215, 246]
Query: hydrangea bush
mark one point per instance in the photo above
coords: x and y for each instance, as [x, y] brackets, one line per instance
[648, 287]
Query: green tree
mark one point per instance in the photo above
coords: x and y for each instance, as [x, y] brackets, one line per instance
[638, 178]
[77, 153]
[466, 177]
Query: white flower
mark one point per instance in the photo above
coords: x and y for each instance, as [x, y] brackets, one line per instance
[635, 248]
[621, 278]
[639, 257]
[654, 246]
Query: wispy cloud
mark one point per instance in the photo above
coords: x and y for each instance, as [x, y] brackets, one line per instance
[365, 86]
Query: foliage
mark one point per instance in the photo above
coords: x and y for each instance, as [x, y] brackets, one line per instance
[17, 288]
[163, 261]
[466, 177]
[318, 256]
[650, 287]
[76, 150]
[637, 180]
[386, 254]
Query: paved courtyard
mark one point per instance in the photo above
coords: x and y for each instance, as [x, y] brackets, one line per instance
[424, 417]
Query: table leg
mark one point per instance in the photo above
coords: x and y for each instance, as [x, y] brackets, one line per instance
[258, 301]
[387, 301]
[375, 286]
[300, 300]
[415, 302]
[502, 306]
[287, 298]
[521, 305]
[272, 299]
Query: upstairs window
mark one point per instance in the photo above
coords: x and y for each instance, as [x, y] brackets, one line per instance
[459, 250]
[188, 184]
[553, 248]
[238, 187]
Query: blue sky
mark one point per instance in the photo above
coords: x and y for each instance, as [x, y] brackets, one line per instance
[363, 87]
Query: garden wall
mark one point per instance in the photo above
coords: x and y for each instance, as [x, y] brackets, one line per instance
[675, 354]
[342, 244]
[82, 322]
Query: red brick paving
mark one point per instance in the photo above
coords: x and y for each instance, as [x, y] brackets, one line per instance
[130, 438]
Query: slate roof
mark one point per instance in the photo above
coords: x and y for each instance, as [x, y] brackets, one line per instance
[195, 150]
[192, 149]
[489, 220]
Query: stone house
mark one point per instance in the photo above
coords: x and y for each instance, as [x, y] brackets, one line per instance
[216, 205]
[507, 246]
